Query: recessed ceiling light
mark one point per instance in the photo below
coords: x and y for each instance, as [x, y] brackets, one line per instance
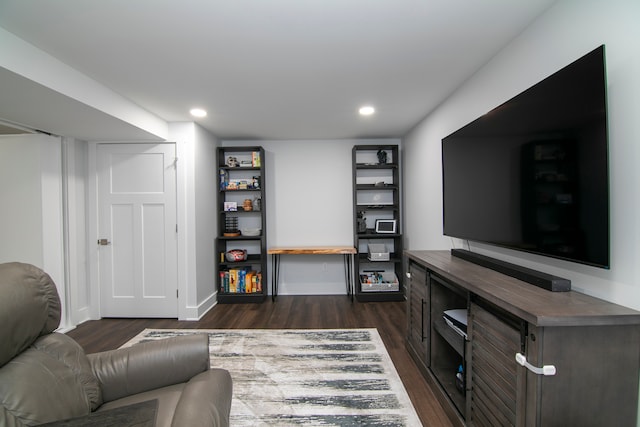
[198, 112]
[367, 110]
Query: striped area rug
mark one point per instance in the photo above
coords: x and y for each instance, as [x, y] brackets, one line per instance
[310, 377]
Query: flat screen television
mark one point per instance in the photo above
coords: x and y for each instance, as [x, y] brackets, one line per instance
[532, 174]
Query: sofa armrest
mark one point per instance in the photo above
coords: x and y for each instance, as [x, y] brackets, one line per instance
[206, 400]
[150, 365]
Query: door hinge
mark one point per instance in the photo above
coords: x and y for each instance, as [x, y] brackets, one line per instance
[177, 294]
[176, 228]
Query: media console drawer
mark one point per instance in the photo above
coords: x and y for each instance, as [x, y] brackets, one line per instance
[530, 357]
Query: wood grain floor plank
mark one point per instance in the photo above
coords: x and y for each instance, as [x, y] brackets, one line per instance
[290, 312]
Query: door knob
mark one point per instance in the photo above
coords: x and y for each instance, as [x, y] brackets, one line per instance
[104, 242]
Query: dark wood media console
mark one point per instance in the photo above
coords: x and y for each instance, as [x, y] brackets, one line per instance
[578, 360]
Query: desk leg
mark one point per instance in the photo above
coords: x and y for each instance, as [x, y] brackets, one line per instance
[275, 266]
[348, 272]
[351, 275]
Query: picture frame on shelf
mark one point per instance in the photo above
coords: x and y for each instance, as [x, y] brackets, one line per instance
[385, 226]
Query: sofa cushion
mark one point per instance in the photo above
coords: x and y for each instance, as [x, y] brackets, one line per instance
[205, 400]
[167, 397]
[141, 414]
[29, 307]
[49, 381]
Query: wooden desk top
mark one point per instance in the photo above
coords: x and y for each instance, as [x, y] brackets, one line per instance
[313, 250]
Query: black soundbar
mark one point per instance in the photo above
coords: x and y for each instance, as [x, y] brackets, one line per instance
[537, 278]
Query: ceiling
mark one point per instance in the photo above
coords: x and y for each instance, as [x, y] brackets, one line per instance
[265, 69]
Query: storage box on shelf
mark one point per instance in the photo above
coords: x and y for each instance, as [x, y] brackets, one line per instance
[241, 244]
[377, 222]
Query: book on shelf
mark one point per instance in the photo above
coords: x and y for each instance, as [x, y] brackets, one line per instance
[240, 281]
[224, 179]
[255, 159]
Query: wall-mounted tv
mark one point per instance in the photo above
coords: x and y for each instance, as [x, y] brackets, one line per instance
[532, 174]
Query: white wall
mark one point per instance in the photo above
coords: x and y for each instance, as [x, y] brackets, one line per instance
[75, 164]
[564, 33]
[309, 202]
[197, 219]
[31, 217]
[34, 64]
[21, 189]
[206, 186]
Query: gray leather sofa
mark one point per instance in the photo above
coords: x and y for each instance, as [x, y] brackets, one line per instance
[46, 376]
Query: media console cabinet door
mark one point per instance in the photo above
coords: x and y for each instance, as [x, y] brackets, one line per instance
[494, 380]
[418, 312]
[596, 380]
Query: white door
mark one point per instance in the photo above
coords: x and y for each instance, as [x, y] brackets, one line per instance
[137, 231]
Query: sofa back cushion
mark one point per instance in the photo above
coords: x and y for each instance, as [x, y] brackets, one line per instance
[29, 307]
[51, 380]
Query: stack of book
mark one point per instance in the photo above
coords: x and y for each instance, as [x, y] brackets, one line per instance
[240, 281]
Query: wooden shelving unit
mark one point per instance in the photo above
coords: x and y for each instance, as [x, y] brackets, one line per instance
[241, 179]
[376, 199]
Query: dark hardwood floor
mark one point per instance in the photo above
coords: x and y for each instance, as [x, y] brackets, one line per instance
[290, 312]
